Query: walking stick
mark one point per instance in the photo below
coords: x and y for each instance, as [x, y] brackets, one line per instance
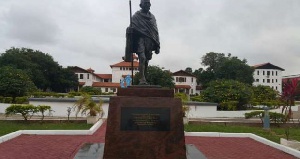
[131, 47]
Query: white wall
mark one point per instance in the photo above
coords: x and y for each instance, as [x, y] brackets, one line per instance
[117, 74]
[258, 74]
[197, 110]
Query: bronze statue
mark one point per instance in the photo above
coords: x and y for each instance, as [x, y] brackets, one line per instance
[142, 38]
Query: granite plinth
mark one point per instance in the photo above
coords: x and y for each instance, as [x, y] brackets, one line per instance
[153, 126]
[145, 91]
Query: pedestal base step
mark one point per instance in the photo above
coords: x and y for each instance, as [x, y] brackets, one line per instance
[96, 150]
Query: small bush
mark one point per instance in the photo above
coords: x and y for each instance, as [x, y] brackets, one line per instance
[197, 98]
[21, 100]
[229, 105]
[274, 117]
[25, 110]
[1, 99]
[73, 94]
[43, 109]
[8, 100]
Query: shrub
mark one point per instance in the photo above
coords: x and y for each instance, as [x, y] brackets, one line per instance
[229, 105]
[274, 117]
[25, 110]
[8, 100]
[197, 98]
[43, 109]
[90, 90]
[21, 100]
[72, 94]
[1, 99]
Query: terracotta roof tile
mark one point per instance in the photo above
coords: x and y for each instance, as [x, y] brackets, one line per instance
[104, 76]
[125, 64]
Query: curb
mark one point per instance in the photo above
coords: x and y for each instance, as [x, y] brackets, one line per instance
[51, 132]
[262, 140]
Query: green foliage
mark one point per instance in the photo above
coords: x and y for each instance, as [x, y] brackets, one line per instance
[43, 109]
[47, 94]
[156, 76]
[264, 95]
[90, 90]
[224, 91]
[1, 99]
[229, 105]
[274, 134]
[274, 117]
[8, 100]
[25, 110]
[21, 100]
[14, 82]
[197, 98]
[86, 106]
[9, 126]
[42, 70]
[220, 66]
[184, 99]
[72, 94]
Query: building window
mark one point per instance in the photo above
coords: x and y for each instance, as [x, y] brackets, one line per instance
[276, 88]
[272, 73]
[192, 79]
[263, 80]
[268, 80]
[268, 73]
[120, 68]
[272, 80]
[181, 79]
[106, 89]
[257, 72]
[88, 76]
[276, 81]
[257, 80]
[81, 76]
[263, 72]
[276, 73]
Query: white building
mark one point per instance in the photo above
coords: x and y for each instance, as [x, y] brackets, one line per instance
[185, 82]
[268, 74]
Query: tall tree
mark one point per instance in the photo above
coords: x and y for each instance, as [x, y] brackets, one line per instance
[14, 82]
[157, 76]
[219, 66]
[45, 73]
[189, 70]
[212, 60]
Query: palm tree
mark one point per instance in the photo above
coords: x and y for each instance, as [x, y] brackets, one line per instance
[87, 106]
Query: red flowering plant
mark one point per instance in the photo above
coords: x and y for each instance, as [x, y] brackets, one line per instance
[288, 96]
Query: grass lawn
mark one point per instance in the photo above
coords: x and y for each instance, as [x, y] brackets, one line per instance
[274, 134]
[7, 127]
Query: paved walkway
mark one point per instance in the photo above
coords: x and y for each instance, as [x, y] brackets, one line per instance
[66, 146]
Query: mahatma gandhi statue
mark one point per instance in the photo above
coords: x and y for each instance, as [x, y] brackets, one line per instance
[142, 38]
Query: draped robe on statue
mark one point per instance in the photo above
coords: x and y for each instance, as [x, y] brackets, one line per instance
[144, 38]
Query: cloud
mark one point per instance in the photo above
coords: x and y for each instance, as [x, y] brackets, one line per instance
[31, 23]
[92, 33]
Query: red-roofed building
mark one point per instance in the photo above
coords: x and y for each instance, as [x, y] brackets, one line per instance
[185, 82]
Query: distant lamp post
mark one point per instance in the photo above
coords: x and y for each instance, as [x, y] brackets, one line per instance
[266, 118]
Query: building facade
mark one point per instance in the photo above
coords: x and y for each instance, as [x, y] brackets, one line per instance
[268, 74]
[185, 82]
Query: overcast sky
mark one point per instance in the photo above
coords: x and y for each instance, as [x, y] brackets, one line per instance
[91, 33]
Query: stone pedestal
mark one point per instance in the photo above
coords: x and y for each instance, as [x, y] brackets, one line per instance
[144, 123]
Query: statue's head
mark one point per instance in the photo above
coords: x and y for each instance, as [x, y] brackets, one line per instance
[145, 5]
